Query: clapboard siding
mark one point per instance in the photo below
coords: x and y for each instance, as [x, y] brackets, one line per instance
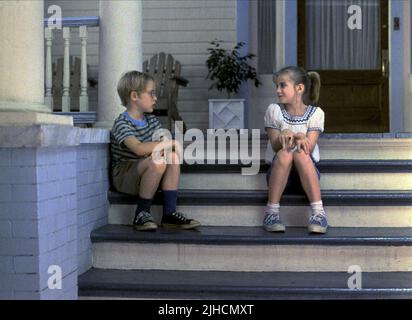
[183, 28]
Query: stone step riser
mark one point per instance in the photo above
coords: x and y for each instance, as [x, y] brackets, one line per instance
[328, 181]
[299, 258]
[339, 216]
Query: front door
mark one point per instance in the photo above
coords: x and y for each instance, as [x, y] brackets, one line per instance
[346, 42]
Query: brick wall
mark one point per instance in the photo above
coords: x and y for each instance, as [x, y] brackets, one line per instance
[51, 198]
[92, 186]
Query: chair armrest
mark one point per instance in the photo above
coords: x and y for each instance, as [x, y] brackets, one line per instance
[180, 81]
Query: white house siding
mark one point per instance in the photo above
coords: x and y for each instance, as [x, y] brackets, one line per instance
[183, 28]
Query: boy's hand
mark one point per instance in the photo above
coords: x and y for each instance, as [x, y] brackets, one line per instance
[286, 139]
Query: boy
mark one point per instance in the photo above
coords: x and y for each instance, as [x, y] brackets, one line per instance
[135, 169]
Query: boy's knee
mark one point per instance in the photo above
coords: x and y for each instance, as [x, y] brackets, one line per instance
[157, 166]
[175, 158]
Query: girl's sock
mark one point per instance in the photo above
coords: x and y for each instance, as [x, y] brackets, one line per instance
[272, 208]
[317, 208]
[169, 201]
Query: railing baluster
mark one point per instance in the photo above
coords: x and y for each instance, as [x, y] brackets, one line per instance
[84, 99]
[48, 98]
[66, 71]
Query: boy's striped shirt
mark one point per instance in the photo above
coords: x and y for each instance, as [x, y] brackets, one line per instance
[124, 128]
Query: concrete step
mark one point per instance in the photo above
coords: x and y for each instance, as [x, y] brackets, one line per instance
[173, 284]
[253, 249]
[335, 175]
[381, 146]
[245, 208]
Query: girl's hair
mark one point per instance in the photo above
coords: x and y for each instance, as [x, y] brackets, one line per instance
[311, 81]
[132, 81]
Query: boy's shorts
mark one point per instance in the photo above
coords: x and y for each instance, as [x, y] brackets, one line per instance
[125, 177]
[294, 185]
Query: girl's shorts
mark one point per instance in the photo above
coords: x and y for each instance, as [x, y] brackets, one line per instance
[293, 186]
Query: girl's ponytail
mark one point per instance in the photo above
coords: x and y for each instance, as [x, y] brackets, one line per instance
[314, 88]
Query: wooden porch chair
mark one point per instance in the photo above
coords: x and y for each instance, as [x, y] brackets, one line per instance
[166, 72]
[79, 118]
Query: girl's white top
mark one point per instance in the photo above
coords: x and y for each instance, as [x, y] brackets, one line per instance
[276, 117]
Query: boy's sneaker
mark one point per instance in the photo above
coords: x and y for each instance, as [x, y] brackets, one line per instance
[177, 220]
[318, 223]
[143, 221]
[272, 223]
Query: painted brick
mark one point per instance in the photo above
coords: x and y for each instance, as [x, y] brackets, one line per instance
[26, 295]
[18, 246]
[23, 192]
[89, 203]
[48, 156]
[6, 264]
[5, 157]
[67, 155]
[49, 190]
[22, 175]
[68, 187]
[20, 281]
[69, 171]
[47, 173]
[23, 157]
[5, 229]
[6, 295]
[71, 201]
[84, 261]
[14, 210]
[5, 193]
[26, 264]
[25, 229]
[53, 206]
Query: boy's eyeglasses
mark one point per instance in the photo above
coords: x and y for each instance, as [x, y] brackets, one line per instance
[153, 94]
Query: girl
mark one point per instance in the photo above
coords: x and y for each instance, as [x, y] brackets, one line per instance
[293, 127]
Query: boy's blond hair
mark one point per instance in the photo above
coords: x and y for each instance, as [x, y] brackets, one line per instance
[132, 81]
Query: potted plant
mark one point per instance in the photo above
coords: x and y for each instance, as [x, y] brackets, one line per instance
[228, 69]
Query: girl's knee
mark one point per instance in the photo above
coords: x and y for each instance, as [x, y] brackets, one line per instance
[284, 158]
[301, 158]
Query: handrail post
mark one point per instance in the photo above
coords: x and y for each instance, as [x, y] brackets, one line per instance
[48, 98]
[84, 100]
[66, 71]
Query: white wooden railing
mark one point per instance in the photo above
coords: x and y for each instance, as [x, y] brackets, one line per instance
[68, 25]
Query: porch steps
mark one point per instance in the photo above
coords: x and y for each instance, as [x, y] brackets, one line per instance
[358, 208]
[335, 175]
[369, 204]
[238, 249]
[168, 284]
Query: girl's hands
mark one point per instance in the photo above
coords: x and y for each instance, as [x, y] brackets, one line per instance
[286, 139]
[303, 144]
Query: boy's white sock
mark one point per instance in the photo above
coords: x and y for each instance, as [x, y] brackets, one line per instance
[272, 208]
[317, 208]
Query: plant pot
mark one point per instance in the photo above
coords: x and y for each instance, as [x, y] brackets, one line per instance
[226, 114]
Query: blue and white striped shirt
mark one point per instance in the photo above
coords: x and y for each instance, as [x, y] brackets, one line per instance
[124, 127]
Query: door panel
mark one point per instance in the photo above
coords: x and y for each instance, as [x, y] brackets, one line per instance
[354, 99]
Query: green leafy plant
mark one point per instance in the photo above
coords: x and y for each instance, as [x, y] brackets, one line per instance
[228, 69]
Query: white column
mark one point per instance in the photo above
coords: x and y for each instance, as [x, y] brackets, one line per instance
[22, 56]
[120, 50]
[22, 65]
